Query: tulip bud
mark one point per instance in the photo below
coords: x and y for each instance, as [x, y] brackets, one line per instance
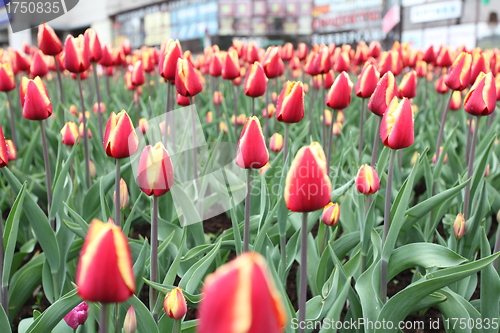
[73, 110]
[252, 54]
[374, 49]
[331, 214]
[396, 129]
[95, 48]
[7, 81]
[481, 98]
[272, 64]
[429, 55]
[459, 74]
[367, 181]
[445, 159]
[102, 106]
[341, 61]
[241, 294]
[130, 321]
[337, 128]
[302, 51]
[252, 150]
[155, 173]
[77, 54]
[311, 66]
[120, 139]
[256, 81]
[487, 171]
[69, 134]
[138, 76]
[215, 65]
[107, 56]
[421, 68]
[459, 226]
[218, 98]
[290, 107]
[308, 186]
[174, 304]
[479, 64]
[38, 65]
[77, 316]
[456, 100]
[187, 81]
[367, 81]
[11, 150]
[383, 94]
[328, 118]
[35, 99]
[440, 85]
[126, 47]
[339, 95]
[269, 111]
[390, 61]
[276, 142]
[80, 131]
[104, 273]
[223, 127]
[48, 41]
[408, 86]
[123, 194]
[143, 125]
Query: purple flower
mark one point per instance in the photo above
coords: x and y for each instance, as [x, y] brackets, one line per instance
[77, 316]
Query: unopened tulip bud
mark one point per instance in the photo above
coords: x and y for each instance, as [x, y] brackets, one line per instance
[459, 74]
[123, 194]
[290, 107]
[440, 85]
[239, 120]
[269, 111]
[7, 81]
[445, 159]
[481, 98]
[155, 173]
[80, 131]
[256, 81]
[11, 150]
[328, 79]
[187, 81]
[444, 58]
[421, 68]
[408, 86]
[339, 95]
[130, 321]
[35, 99]
[48, 41]
[223, 127]
[76, 54]
[331, 214]
[337, 128]
[456, 100]
[218, 98]
[215, 68]
[374, 49]
[396, 128]
[209, 117]
[272, 63]
[459, 226]
[390, 61]
[414, 158]
[77, 316]
[104, 273]
[341, 62]
[276, 142]
[138, 75]
[120, 139]
[367, 181]
[479, 64]
[73, 110]
[231, 66]
[328, 118]
[252, 150]
[367, 81]
[95, 48]
[167, 61]
[307, 186]
[487, 171]
[429, 55]
[174, 304]
[70, 134]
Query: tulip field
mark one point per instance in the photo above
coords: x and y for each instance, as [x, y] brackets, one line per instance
[294, 188]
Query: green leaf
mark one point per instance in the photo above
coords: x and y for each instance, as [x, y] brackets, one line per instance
[4, 321]
[490, 287]
[59, 184]
[145, 321]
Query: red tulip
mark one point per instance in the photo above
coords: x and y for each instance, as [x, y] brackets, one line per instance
[187, 81]
[69, 134]
[4, 150]
[444, 57]
[459, 226]
[7, 80]
[241, 296]
[34, 99]
[459, 75]
[77, 54]
[215, 65]
[290, 107]
[331, 214]
[456, 100]
[341, 62]
[390, 61]
[269, 111]
[231, 66]
[481, 98]
[308, 187]
[429, 55]
[120, 139]
[107, 56]
[77, 316]
[11, 150]
[252, 53]
[287, 51]
[408, 86]
[367, 181]
[383, 94]
[126, 47]
[396, 129]
[329, 78]
[302, 51]
[48, 41]
[155, 173]
[256, 81]
[95, 48]
[104, 273]
[252, 150]
[479, 64]
[272, 63]
[367, 81]
[497, 85]
[276, 142]
[174, 304]
[339, 95]
[138, 77]
[22, 63]
[38, 65]
[421, 68]
[182, 101]
[374, 49]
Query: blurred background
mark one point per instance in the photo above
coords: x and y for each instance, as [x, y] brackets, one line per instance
[199, 23]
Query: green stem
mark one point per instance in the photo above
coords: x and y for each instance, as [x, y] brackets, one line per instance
[467, 146]
[154, 256]
[118, 221]
[443, 122]
[361, 127]
[246, 232]
[470, 170]
[285, 144]
[85, 134]
[98, 92]
[103, 327]
[61, 90]
[12, 120]
[376, 139]
[330, 141]
[253, 107]
[303, 273]
[4, 291]
[235, 100]
[48, 178]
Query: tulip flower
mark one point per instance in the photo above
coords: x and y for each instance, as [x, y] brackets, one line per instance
[339, 95]
[396, 130]
[367, 81]
[143, 125]
[456, 100]
[7, 81]
[290, 107]
[367, 181]
[269, 111]
[107, 56]
[311, 66]
[48, 41]
[11, 150]
[120, 139]
[174, 304]
[4, 153]
[187, 81]
[77, 316]
[77, 54]
[429, 55]
[130, 321]
[38, 65]
[331, 214]
[124, 197]
[440, 84]
[69, 134]
[434, 157]
[459, 74]
[182, 100]
[99, 107]
[241, 294]
[252, 54]
[421, 68]
[276, 143]
[408, 86]
[329, 78]
[374, 49]
[104, 273]
[272, 64]
[390, 61]
[302, 51]
[215, 68]
[231, 66]
[252, 150]
[126, 47]
[138, 76]
[337, 128]
[444, 57]
[218, 98]
[256, 81]
[92, 170]
[155, 173]
[479, 64]
[81, 132]
[341, 62]
[95, 48]
[209, 117]
[459, 226]
[223, 127]
[481, 98]
[34, 99]
[22, 63]
[307, 186]
[383, 94]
